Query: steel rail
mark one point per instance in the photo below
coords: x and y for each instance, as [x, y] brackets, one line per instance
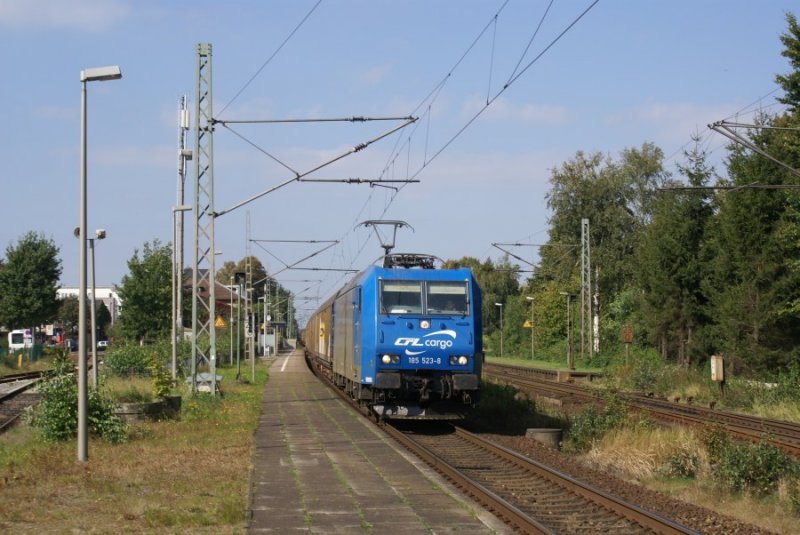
[501, 507]
[781, 434]
[625, 509]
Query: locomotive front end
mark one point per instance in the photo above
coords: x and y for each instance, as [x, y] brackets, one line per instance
[428, 351]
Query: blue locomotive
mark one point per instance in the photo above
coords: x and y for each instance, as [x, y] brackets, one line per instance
[404, 339]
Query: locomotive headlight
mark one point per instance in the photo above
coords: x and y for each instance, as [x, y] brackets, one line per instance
[424, 324]
[463, 360]
[458, 360]
[390, 359]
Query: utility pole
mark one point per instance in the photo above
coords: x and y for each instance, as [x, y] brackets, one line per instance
[203, 265]
[248, 295]
[570, 358]
[586, 293]
[178, 210]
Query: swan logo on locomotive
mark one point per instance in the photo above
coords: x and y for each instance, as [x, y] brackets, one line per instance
[441, 344]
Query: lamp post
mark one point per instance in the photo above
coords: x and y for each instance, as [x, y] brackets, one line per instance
[99, 235]
[238, 276]
[533, 326]
[177, 285]
[501, 327]
[266, 317]
[96, 74]
[570, 362]
[230, 323]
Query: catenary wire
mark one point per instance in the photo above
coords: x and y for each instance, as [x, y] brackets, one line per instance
[269, 59]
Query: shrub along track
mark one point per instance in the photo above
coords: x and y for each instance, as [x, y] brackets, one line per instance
[784, 435]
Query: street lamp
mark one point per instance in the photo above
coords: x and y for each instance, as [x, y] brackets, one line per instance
[177, 286]
[528, 298]
[230, 323]
[501, 327]
[99, 234]
[96, 74]
[238, 276]
[570, 362]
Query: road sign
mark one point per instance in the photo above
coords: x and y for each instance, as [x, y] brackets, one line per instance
[527, 324]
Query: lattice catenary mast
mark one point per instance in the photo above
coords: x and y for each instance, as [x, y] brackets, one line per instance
[203, 268]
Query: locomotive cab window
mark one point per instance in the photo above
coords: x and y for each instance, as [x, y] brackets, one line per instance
[447, 298]
[401, 297]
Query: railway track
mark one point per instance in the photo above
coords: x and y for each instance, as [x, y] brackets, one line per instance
[528, 495]
[784, 435]
[15, 397]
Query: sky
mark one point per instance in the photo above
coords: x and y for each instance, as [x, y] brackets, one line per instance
[556, 82]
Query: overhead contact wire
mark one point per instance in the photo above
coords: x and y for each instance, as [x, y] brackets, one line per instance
[530, 42]
[296, 28]
[506, 86]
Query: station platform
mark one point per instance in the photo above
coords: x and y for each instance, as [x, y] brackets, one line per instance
[321, 468]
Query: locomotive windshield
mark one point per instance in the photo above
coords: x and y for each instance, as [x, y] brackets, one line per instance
[401, 297]
[447, 298]
[441, 297]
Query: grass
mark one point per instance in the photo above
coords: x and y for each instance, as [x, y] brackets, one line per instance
[186, 475]
[127, 389]
[642, 455]
[783, 410]
[11, 364]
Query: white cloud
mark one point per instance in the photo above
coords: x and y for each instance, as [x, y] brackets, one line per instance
[84, 15]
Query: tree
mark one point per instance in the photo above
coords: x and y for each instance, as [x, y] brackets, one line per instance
[791, 82]
[28, 282]
[228, 269]
[146, 293]
[68, 311]
[103, 316]
[754, 282]
[497, 283]
[616, 198]
[669, 264]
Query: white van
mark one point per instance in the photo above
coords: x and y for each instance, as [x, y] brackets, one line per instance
[19, 339]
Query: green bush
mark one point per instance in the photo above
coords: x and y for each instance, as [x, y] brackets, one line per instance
[716, 442]
[162, 380]
[683, 464]
[56, 414]
[755, 468]
[788, 385]
[592, 424]
[128, 359]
